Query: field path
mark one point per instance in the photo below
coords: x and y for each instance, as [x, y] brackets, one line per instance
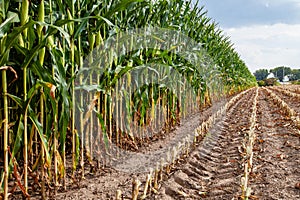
[214, 170]
[277, 158]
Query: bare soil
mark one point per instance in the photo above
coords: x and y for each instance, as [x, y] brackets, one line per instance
[213, 170]
[276, 171]
[215, 173]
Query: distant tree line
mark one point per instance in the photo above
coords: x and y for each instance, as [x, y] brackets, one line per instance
[279, 73]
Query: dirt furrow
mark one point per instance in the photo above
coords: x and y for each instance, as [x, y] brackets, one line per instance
[213, 170]
[276, 160]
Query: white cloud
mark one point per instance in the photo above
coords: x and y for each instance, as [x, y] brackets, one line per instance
[237, 13]
[267, 46]
[280, 2]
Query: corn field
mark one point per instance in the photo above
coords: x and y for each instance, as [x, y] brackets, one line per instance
[44, 47]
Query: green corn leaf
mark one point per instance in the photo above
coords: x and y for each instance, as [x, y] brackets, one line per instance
[34, 51]
[11, 39]
[104, 132]
[121, 6]
[31, 37]
[63, 123]
[42, 72]
[5, 26]
[83, 23]
[77, 148]
[33, 117]
[18, 141]
[21, 49]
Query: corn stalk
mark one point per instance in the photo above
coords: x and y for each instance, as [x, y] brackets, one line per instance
[24, 19]
[5, 134]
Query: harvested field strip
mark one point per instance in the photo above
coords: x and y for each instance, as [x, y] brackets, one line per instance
[292, 99]
[286, 91]
[291, 113]
[292, 88]
[214, 170]
[180, 150]
[276, 154]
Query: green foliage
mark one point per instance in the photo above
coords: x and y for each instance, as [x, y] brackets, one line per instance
[296, 82]
[280, 72]
[295, 75]
[268, 82]
[261, 83]
[261, 74]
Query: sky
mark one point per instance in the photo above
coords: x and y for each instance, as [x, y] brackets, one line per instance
[265, 33]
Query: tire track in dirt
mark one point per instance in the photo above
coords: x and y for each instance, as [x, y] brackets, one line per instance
[276, 158]
[214, 170]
